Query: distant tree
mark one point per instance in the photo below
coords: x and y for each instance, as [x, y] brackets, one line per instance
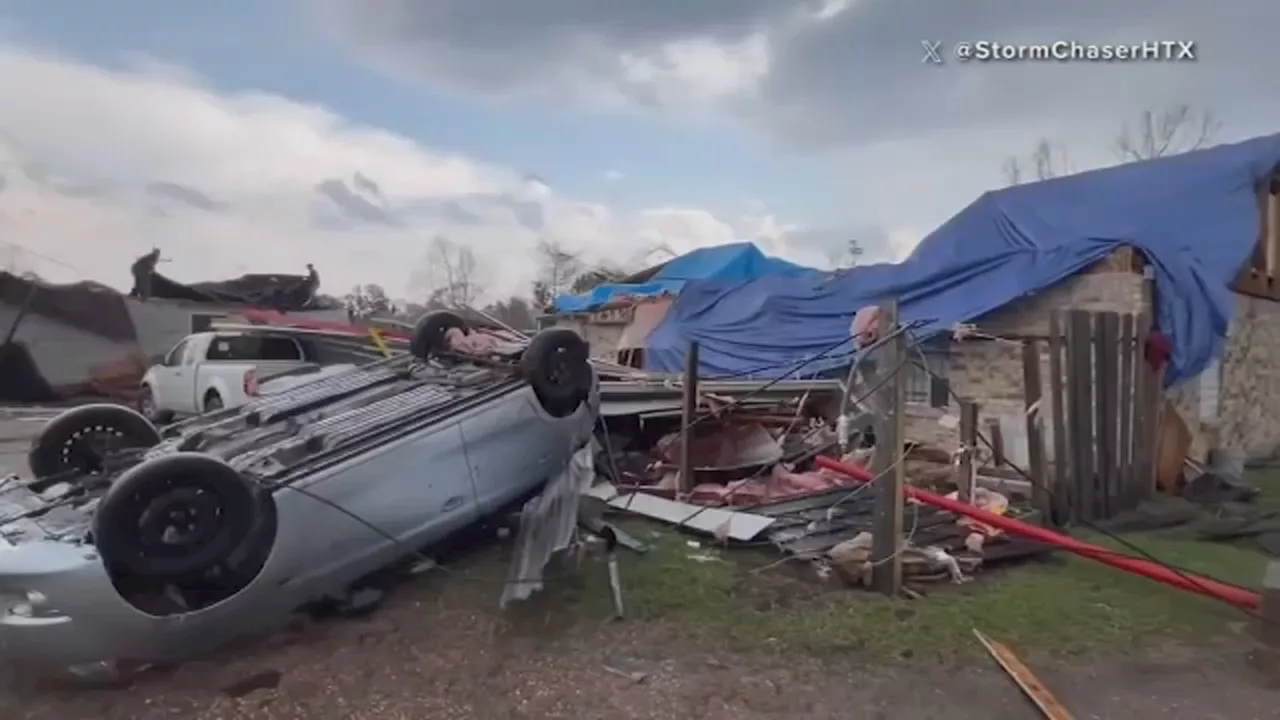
[1174, 129]
[594, 277]
[1047, 160]
[557, 268]
[366, 301]
[514, 311]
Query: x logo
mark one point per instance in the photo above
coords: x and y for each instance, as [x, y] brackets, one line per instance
[932, 52]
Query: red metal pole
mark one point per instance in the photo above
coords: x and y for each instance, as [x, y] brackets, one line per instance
[1230, 594]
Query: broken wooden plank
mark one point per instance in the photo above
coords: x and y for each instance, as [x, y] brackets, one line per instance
[735, 525]
[1106, 361]
[1026, 680]
[1080, 411]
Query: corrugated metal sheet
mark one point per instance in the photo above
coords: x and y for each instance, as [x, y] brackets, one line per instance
[547, 523]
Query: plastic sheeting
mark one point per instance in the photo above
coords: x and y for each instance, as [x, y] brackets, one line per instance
[1194, 216]
[733, 262]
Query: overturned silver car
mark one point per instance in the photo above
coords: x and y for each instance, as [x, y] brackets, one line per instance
[130, 546]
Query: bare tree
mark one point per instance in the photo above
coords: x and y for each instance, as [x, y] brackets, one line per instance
[596, 276]
[1171, 130]
[557, 268]
[448, 276]
[1174, 129]
[1047, 160]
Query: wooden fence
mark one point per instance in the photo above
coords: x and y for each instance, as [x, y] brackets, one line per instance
[1102, 416]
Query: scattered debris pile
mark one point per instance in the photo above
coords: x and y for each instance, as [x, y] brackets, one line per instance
[751, 451]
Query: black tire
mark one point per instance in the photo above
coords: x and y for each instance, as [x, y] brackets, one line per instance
[76, 439]
[557, 365]
[213, 402]
[428, 339]
[136, 526]
[147, 407]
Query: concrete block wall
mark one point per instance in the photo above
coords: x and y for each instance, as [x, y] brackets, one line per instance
[1249, 409]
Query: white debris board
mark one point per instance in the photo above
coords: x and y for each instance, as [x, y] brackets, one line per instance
[742, 526]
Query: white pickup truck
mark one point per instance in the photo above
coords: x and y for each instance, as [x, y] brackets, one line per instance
[214, 370]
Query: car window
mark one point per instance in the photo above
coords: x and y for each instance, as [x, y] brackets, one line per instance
[176, 355]
[253, 348]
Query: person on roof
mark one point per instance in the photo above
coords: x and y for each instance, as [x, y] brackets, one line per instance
[143, 269]
[312, 284]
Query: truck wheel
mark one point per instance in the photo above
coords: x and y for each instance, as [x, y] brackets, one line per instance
[176, 517]
[213, 402]
[428, 339]
[78, 439]
[148, 409]
[557, 365]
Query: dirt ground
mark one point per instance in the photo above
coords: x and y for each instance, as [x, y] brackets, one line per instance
[422, 656]
[439, 649]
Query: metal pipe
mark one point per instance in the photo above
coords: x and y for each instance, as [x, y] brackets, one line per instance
[1230, 594]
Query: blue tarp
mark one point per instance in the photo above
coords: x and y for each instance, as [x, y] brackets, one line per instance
[1194, 216]
[731, 263]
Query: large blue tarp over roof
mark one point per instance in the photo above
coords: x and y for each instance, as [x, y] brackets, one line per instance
[1194, 216]
[730, 263]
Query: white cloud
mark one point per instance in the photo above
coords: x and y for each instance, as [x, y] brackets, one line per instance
[843, 79]
[99, 165]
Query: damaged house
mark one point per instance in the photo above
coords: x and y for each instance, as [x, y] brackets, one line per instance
[1187, 244]
[89, 339]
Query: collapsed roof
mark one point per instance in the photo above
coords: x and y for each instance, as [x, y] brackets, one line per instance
[276, 291]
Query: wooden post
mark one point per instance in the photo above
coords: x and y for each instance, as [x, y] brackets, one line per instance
[966, 475]
[886, 550]
[1041, 497]
[1265, 654]
[1140, 476]
[1061, 455]
[688, 415]
[1125, 447]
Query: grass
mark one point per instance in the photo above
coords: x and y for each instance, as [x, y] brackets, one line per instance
[1065, 606]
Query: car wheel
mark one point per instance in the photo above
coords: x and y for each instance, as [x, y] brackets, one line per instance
[176, 517]
[557, 364]
[428, 339]
[79, 439]
[213, 402]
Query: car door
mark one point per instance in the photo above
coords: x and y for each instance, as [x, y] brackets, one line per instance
[511, 448]
[173, 379]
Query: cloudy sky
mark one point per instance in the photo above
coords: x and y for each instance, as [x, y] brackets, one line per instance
[258, 136]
